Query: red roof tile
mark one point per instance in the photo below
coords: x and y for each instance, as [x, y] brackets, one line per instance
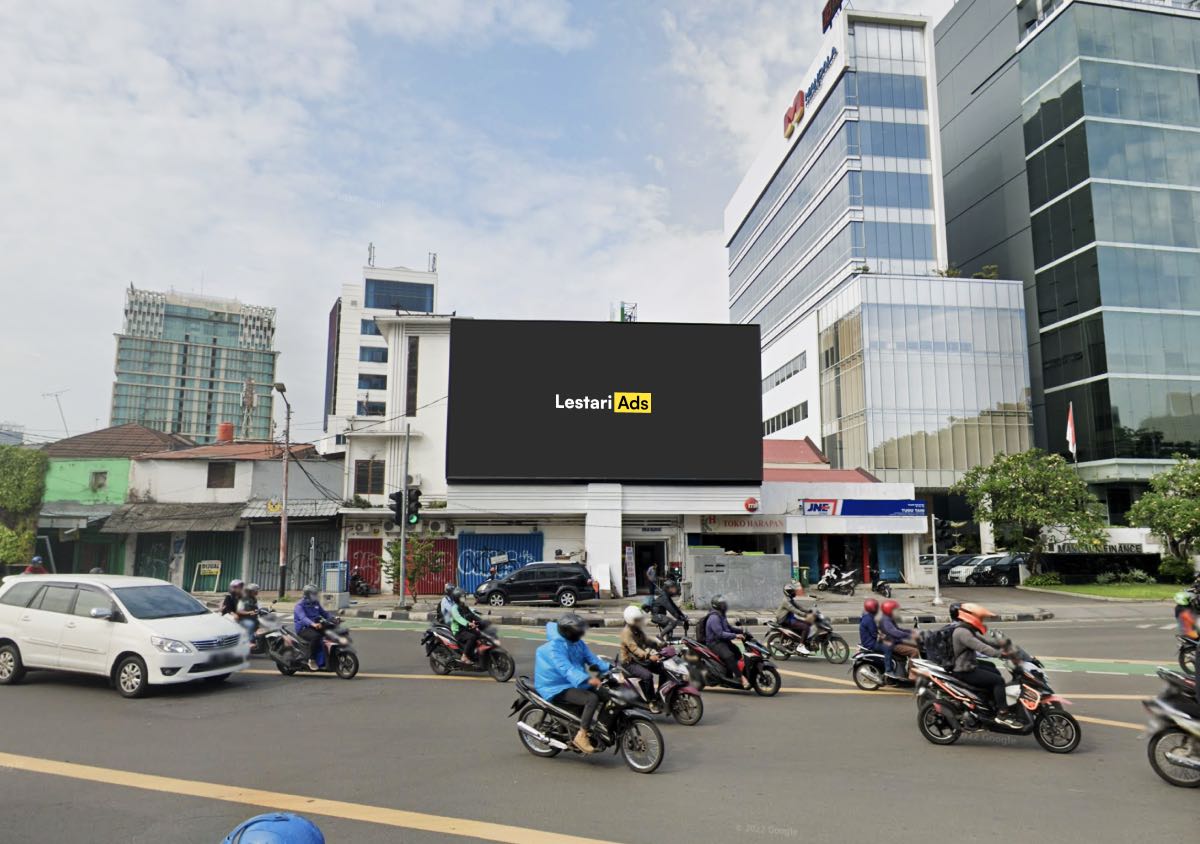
[792, 451]
[118, 441]
[234, 451]
[820, 476]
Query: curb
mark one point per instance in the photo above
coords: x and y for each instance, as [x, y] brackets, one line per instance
[1104, 598]
[614, 622]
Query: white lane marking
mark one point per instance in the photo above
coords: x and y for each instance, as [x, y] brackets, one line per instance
[1144, 626]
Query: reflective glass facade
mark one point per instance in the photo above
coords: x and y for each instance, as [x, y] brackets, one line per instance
[398, 295]
[183, 363]
[922, 379]
[855, 190]
[1111, 119]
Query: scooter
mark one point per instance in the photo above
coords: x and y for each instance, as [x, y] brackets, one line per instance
[359, 585]
[947, 707]
[675, 693]
[837, 581]
[1174, 747]
[785, 643]
[1187, 655]
[755, 665]
[445, 653]
[881, 587]
[546, 728]
[336, 654]
[867, 671]
[667, 626]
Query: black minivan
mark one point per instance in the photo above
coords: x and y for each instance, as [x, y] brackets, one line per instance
[563, 583]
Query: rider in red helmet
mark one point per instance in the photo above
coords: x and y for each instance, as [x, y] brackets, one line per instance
[868, 630]
[897, 640]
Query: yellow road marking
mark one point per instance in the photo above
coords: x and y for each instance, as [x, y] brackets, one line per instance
[1086, 696]
[1104, 722]
[328, 675]
[807, 691]
[280, 801]
[821, 677]
[1105, 660]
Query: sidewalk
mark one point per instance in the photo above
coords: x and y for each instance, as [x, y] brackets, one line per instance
[916, 604]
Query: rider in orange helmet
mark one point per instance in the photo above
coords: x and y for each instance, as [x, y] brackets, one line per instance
[970, 638]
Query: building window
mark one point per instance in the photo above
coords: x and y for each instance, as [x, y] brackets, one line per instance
[373, 354]
[221, 474]
[399, 296]
[369, 327]
[410, 378]
[99, 481]
[789, 417]
[783, 373]
[371, 408]
[372, 382]
[368, 477]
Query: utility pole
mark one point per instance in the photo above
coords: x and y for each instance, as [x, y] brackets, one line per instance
[404, 521]
[58, 401]
[937, 586]
[283, 516]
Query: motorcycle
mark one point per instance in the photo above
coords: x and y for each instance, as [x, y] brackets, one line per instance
[785, 643]
[664, 621]
[546, 728]
[675, 693]
[266, 622]
[707, 669]
[947, 707]
[444, 651]
[359, 585]
[867, 670]
[1187, 655]
[881, 587]
[336, 654]
[837, 581]
[1174, 747]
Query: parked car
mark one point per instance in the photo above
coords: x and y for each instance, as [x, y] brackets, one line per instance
[1003, 572]
[947, 563]
[563, 583]
[137, 631]
[963, 571]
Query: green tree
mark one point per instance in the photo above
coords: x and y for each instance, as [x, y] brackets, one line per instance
[1033, 498]
[1171, 509]
[22, 484]
[989, 271]
[423, 559]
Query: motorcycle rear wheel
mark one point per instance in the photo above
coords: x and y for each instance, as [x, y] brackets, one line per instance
[286, 670]
[541, 721]
[777, 645]
[347, 665]
[687, 709]
[1057, 731]
[1187, 661]
[935, 727]
[1173, 738]
[836, 649]
[500, 666]
[642, 745]
[766, 681]
[439, 661]
[867, 677]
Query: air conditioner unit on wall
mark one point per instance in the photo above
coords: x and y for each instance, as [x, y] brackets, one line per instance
[389, 526]
[439, 526]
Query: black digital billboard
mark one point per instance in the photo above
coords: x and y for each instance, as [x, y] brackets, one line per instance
[604, 401]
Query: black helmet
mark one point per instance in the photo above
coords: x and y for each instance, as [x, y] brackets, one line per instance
[954, 608]
[790, 590]
[719, 604]
[310, 591]
[671, 586]
[457, 594]
[449, 590]
[572, 627]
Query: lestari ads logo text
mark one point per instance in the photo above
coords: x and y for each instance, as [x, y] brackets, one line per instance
[612, 403]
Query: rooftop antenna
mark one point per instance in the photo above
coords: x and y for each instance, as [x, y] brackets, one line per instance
[370, 254]
[58, 401]
[433, 262]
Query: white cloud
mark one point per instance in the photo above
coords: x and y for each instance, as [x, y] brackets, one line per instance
[186, 146]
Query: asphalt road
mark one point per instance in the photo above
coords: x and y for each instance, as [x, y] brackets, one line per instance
[820, 762]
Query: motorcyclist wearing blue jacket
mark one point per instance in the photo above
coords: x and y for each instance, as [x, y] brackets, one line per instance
[560, 672]
[308, 618]
[868, 629]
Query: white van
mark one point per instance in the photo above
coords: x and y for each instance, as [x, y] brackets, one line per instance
[137, 631]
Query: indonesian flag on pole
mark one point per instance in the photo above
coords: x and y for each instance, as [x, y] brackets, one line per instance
[1071, 428]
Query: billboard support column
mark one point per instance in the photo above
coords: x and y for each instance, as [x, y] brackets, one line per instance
[602, 537]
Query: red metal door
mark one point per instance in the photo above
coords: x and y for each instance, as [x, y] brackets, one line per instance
[434, 581]
[364, 556]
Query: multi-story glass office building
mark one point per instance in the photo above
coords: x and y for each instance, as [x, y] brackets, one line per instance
[186, 363]
[836, 239]
[1102, 172]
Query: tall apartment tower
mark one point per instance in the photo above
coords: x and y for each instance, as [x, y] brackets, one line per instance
[1071, 131]
[186, 363]
[836, 242]
[356, 364]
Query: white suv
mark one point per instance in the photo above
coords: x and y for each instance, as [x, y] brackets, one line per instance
[137, 631]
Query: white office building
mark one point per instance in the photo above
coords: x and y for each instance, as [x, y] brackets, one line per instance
[837, 249]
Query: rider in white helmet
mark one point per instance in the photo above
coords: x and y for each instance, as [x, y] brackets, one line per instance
[639, 652]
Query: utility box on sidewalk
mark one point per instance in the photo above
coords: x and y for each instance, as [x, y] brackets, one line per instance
[335, 589]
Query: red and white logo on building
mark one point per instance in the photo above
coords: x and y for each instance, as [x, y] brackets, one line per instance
[751, 505]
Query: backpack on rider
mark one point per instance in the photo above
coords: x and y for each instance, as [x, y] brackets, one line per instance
[702, 629]
[938, 646]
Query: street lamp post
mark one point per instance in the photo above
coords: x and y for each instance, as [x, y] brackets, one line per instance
[937, 584]
[283, 515]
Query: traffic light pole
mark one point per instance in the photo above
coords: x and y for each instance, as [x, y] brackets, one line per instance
[937, 582]
[404, 521]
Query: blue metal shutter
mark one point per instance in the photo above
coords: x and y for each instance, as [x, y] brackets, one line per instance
[475, 551]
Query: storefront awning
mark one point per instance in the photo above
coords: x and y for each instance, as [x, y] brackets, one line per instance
[161, 518]
[305, 508]
[66, 515]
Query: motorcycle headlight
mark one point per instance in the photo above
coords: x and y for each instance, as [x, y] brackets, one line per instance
[170, 646]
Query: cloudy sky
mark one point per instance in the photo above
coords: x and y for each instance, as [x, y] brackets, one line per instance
[557, 156]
